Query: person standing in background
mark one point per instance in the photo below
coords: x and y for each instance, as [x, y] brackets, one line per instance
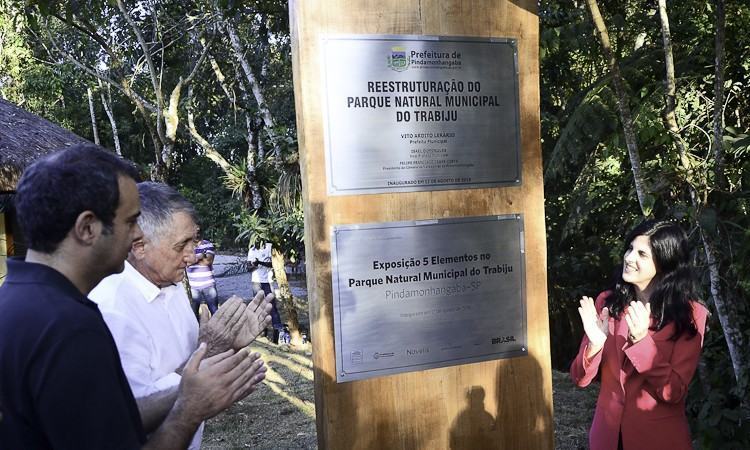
[261, 276]
[201, 278]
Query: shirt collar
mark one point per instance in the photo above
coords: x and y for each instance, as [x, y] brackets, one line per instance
[149, 290]
[22, 272]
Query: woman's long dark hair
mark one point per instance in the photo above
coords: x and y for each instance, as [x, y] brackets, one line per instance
[674, 289]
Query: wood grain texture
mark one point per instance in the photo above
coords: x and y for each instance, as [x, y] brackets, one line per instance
[496, 404]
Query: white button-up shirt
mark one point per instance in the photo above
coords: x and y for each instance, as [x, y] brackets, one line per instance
[155, 331]
[261, 274]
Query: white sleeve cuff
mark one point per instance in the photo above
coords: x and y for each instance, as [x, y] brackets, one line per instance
[167, 381]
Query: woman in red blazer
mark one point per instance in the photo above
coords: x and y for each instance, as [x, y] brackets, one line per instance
[645, 338]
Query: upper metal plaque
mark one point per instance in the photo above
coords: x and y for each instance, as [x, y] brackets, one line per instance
[410, 296]
[417, 113]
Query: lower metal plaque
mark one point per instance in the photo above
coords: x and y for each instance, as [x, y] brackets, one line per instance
[411, 296]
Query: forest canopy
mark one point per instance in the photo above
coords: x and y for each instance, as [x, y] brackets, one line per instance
[645, 110]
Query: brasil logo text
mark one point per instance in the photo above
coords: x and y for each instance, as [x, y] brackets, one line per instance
[398, 60]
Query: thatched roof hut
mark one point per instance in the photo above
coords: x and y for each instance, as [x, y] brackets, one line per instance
[25, 137]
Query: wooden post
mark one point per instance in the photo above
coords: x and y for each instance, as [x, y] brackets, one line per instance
[504, 403]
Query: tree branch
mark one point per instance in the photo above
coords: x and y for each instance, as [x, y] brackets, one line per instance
[155, 81]
[124, 87]
[221, 79]
[201, 58]
[93, 35]
[239, 54]
[211, 152]
[106, 101]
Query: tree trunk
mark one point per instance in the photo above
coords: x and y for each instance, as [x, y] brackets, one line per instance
[154, 75]
[718, 125]
[285, 299]
[93, 116]
[239, 54]
[726, 308]
[670, 94]
[171, 119]
[261, 145]
[670, 105]
[158, 170]
[238, 51]
[254, 150]
[255, 196]
[252, 197]
[110, 115]
[626, 116]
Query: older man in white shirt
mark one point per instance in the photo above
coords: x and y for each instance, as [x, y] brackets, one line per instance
[148, 312]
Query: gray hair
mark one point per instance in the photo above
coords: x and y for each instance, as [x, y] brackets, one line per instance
[159, 203]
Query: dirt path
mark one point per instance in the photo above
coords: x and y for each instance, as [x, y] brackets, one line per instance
[279, 415]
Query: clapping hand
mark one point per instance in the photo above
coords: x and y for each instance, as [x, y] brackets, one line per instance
[221, 380]
[638, 318]
[257, 317]
[220, 331]
[595, 325]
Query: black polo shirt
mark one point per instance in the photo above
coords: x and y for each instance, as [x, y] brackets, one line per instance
[61, 382]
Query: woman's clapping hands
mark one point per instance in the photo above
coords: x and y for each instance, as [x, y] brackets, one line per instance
[638, 317]
[595, 325]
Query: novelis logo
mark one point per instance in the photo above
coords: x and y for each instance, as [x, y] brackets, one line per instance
[398, 60]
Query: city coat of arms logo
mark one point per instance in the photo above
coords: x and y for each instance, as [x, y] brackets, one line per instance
[398, 60]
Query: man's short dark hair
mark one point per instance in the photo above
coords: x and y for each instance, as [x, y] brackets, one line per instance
[54, 190]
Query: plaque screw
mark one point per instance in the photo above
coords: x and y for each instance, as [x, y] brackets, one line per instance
[343, 374]
[523, 349]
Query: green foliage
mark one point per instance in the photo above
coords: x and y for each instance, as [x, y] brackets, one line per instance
[15, 54]
[718, 418]
[235, 179]
[200, 182]
[737, 142]
[96, 34]
[284, 231]
[591, 200]
[28, 80]
[588, 181]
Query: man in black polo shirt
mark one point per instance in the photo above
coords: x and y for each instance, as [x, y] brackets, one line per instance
[61, 382]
